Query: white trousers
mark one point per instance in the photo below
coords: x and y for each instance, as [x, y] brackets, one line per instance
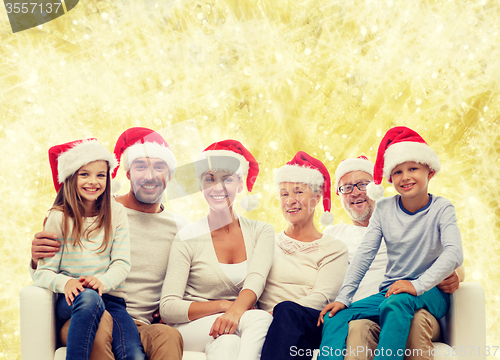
[245, 344]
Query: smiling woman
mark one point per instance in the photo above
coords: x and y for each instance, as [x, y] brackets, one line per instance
[220, 189]
[308, 267]
[218, 266]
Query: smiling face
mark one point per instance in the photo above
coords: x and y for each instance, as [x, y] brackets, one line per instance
[357, 204]
[411, 180]
[148, 178]
[220, 189]
[298, 202]
[91, 182]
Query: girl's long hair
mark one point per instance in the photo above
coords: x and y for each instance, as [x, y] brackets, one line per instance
[69, 202]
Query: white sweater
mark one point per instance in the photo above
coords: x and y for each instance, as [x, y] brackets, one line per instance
[194, 273]
[308, 273]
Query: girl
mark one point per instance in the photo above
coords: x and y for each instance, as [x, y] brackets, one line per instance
[94, 258]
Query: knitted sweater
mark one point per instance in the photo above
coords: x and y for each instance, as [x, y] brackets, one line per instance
[110, 266]
[309, 273]
[151, 237]
[423, 247]
[194, 273]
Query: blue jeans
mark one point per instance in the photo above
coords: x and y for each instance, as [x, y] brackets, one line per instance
[85, 314]
[293, 334]
[394, 314]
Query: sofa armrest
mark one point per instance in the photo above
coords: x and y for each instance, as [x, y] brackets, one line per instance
[466, 321]
[38, 323]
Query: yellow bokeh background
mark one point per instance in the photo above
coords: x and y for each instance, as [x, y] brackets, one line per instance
[326, 77]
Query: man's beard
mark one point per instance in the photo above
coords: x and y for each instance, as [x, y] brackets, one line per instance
[358, 216]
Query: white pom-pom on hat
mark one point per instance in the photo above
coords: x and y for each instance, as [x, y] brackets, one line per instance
[326, 218]
[116, 185]
[250, 202]
[375, 192]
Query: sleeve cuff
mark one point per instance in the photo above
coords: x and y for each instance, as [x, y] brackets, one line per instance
[254, 282]
[61, 283]
[417, 286]
[344, 301]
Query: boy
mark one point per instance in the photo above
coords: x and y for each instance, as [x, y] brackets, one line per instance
[423, 246]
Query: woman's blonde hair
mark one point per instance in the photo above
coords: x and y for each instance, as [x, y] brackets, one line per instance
[69, 202]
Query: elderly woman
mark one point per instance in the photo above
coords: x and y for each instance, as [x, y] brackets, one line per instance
[308, 267]
[218, 266]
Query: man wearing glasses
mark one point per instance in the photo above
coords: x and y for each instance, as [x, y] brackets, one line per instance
[351, 179]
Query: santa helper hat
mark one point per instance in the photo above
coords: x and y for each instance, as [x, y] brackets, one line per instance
[140, 142]
[399, 145]
[361, 163]
[305, 169]
[66, 159]
[215, 158]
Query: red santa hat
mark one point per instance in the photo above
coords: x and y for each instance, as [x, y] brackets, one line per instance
[399, 145]
[66, 159]
[361, 163]
[140, 142]
[305, 169]
[233, 157]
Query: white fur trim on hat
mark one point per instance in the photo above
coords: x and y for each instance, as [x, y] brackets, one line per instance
[349, 165]
[215, 162]
[82, 154]
[409, 151]
[298, 174]
[151, 150]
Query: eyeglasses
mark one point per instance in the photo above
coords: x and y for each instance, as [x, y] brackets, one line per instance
[347, 189]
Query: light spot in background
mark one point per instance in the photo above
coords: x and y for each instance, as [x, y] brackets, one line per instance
[477, 275]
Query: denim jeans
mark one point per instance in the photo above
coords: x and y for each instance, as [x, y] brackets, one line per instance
[85, 314]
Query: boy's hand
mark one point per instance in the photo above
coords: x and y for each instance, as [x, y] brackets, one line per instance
[333, 308]
[92, 283]
[401, 286]
[71, 290]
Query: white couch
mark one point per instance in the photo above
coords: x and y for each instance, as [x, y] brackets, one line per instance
[464, 326]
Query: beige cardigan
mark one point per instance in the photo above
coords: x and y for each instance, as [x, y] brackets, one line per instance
[194, 273]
